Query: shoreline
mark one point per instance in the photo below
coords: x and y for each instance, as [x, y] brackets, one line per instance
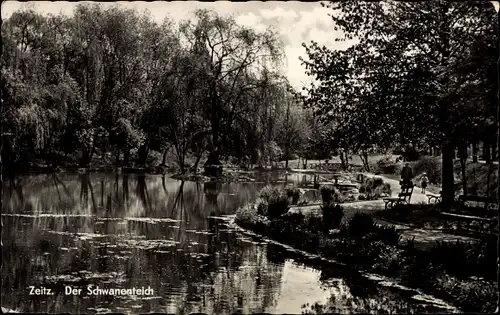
[402, 264]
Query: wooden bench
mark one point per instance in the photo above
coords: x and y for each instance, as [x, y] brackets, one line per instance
[433, 198]
[486, 200]
[468, 219]
[403, 197]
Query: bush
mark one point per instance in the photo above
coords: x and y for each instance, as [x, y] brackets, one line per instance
[330, 194]
[313, 223]
[388, 235]
[293, 193]
[283, 231]
[359, 225]
[332, 215]
[387, 165]
[247, 216]
[276, 200]
[411, 154]
[430, 165]
[465, 259]
[296, 218]
[373, 188]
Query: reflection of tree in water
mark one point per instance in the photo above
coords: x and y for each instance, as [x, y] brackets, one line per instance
[86, 186]
[212, 191]
[142, 192]
[216, 283]
[354, 293]
[201, 277]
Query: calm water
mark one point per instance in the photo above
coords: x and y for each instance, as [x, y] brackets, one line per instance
[119, 231]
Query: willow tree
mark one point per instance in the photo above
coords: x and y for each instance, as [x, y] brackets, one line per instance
[228, 52]
[36, 90]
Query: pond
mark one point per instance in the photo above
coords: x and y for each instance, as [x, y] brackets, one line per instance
[113, 231]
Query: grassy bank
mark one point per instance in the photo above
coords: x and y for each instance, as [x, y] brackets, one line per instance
[459, 273]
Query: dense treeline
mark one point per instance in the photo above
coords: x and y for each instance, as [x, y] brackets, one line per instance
[422, 76]
[112, 83]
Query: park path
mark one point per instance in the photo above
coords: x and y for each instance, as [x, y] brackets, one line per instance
[423, 238]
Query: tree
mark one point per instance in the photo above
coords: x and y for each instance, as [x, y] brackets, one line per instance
[405, 64]
[229, 54]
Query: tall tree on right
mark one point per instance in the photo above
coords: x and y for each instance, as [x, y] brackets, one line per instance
[406, 70]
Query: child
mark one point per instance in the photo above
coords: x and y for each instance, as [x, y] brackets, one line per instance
[423, 182]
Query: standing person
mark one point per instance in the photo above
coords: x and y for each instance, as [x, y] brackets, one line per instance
[423, 182]
[406, 175]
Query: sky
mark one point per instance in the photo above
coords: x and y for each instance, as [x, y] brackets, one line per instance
[296, 22]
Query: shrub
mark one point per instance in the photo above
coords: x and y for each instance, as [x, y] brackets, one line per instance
[359, 225]
[276, 200]
[295, 218]
[313, 223]
[411, 154]
[332, 215]
[330, 194]
[293, 193]
[387, 165]
[247, 216]
[388, 235]
[278, 207]
[374, 188]
[261, 206]
[283, 231]
[465, 259]
[430, 165]
[246, 213]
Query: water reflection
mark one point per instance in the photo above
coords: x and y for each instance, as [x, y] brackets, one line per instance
[125, 231]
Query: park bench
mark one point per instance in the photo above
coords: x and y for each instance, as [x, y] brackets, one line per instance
[403, 197]
[468, 219]
[486, 200]
[433, 198]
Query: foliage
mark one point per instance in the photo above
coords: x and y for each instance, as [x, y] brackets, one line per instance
[332, 215]
[387, 165]
[374, 188]
[465, 259]
[273, 202]
[438, 92]
[293, 193]
[110, 80]
[330, 194]
[359, 225]
[429, 165]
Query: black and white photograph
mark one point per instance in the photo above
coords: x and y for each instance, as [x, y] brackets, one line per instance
[277, 157]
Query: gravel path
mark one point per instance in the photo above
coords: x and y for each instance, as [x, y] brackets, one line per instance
[423, 238]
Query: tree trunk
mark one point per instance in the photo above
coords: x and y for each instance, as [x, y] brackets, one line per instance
[198, 158]
[126, 157]
[493, 151]
[117, 158]
[364, 159]
[164, 159]
[142, 154]
[448, 180]
[486, 152]
[342, 161]
[463, 164]
[474, 152]
[498, 168]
